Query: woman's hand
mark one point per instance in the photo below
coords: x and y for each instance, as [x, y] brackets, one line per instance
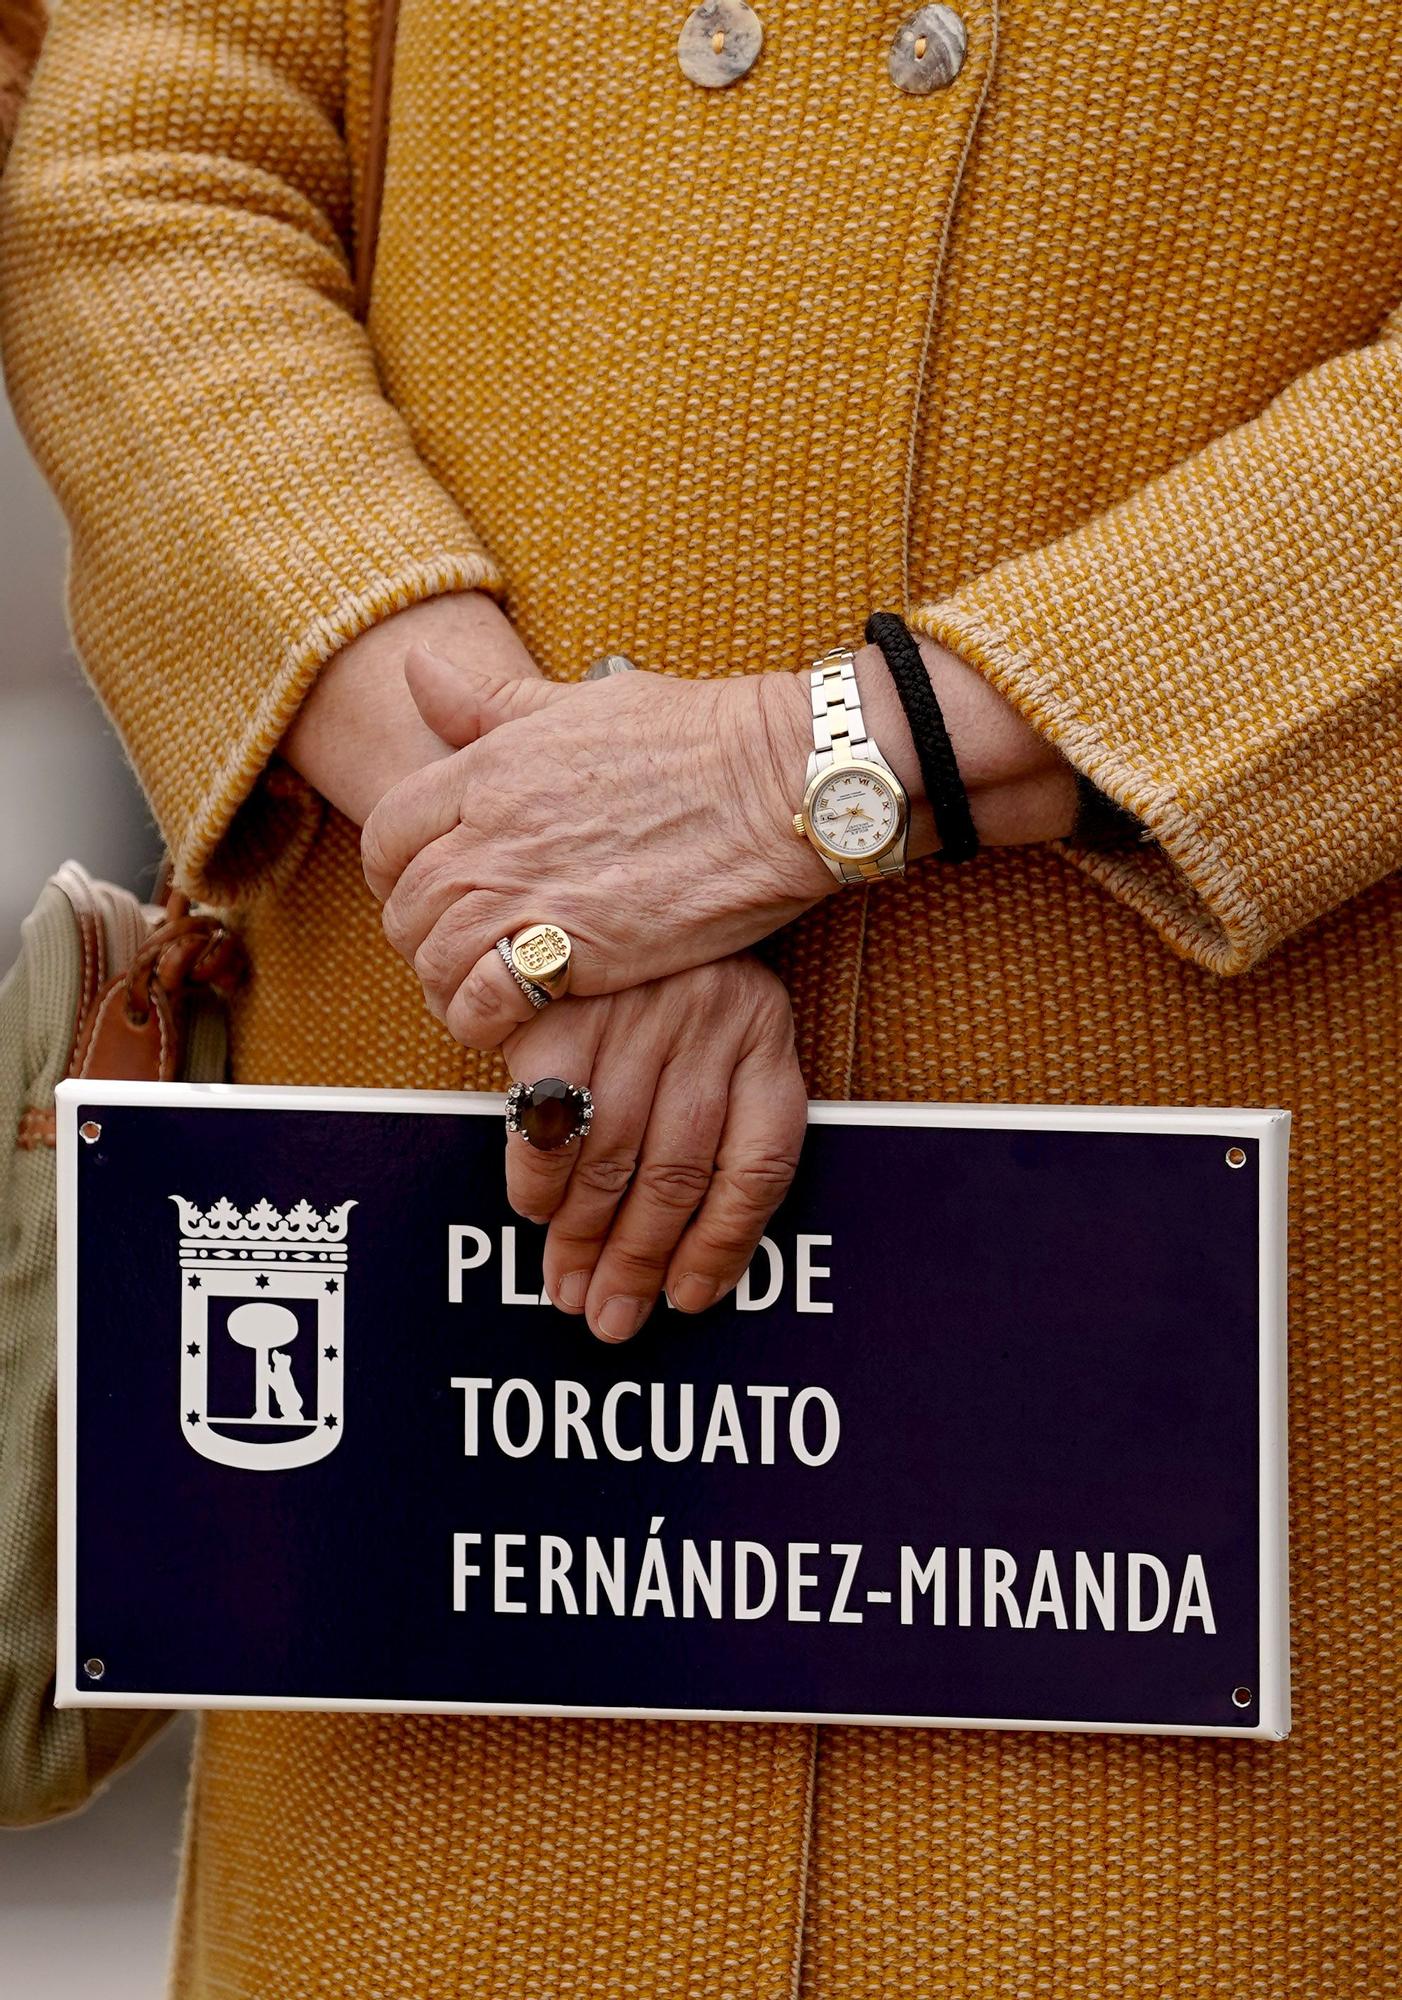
[651, 817]
[358, 731]
[699, 1115]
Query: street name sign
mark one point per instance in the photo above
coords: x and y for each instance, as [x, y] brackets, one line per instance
[993, 1433]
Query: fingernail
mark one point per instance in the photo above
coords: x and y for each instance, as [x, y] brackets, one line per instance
[692, 1293]
[572, 1289]
[620, 1318]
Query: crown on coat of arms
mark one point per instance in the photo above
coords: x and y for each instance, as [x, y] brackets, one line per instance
[228, 1230]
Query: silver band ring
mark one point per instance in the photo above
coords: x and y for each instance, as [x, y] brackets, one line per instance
[537, 995]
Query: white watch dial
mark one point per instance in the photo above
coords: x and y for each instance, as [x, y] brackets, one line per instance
[854, 813]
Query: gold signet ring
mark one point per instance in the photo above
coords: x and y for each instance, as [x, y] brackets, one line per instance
[541, 953]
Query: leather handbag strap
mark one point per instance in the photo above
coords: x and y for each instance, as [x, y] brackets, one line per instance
[133, 1026]
[372, 181]
[143, 975]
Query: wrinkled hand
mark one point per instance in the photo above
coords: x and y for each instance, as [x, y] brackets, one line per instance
[701, 1108]
[699, 1117]
[649, 816]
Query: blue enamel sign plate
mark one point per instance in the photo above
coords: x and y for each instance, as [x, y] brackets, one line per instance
[993, 1433]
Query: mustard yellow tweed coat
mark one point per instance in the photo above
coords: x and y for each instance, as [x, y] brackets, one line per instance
[1087, 359]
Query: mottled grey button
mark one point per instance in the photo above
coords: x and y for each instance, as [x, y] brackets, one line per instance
[719, 42]
[929, 50]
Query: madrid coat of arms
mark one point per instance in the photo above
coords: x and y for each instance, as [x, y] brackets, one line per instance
[262, 1332]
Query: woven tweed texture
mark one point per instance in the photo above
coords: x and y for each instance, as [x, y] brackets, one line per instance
[1087, 361]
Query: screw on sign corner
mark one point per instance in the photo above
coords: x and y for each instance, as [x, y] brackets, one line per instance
[90, 1131]
[1236, 1156]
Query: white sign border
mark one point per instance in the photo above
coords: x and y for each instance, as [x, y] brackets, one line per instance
[1269, 1128]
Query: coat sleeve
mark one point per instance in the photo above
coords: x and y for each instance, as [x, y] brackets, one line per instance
[175, 311]
[1221, 654]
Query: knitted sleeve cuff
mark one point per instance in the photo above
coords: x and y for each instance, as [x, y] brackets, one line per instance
[255, 818]
[1219, 655]
[175, 310]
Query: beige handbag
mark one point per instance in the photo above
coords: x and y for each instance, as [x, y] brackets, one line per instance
[104, 986]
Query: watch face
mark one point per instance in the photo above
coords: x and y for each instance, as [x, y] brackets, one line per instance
[855, 813]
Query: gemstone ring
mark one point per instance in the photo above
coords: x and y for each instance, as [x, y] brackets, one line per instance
[549, 1114]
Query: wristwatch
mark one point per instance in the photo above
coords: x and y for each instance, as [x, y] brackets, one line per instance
[855, 811]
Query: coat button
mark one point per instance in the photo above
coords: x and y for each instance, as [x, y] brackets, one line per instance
[928, 52]
[720, 41]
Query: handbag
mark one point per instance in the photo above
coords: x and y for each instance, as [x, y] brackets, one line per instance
[104, 986]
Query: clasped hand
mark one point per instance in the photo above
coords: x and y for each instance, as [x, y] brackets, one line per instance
[647, 816]
[650, 817]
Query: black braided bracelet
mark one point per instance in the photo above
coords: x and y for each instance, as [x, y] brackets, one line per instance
[939, 767]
